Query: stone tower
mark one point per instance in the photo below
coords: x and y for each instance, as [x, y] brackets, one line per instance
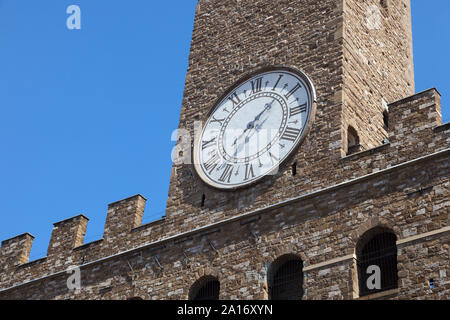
[364, 192]
[358, 55]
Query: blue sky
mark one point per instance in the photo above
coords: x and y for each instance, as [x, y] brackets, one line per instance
[86, 116]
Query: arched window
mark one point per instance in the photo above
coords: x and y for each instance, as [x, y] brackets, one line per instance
[353, 141]
[377, 261]
[206, 288]
[286, 278]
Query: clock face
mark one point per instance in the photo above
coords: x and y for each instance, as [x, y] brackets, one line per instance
[254, 128]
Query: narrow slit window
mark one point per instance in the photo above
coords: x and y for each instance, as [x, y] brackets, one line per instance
[386, 119]
[353, 141]
[203, 200]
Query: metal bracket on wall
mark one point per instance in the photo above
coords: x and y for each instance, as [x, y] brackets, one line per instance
[420, 190]
[157, 262]
[133, 274]
[129, 265]
[185, 255]
[212, 246]
[255, 237]
[185, 258]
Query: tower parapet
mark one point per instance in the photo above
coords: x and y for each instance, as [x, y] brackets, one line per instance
[67, 235]
[123, 216]
[16, 251]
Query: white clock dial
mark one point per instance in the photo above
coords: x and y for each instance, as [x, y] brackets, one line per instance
[254, 128]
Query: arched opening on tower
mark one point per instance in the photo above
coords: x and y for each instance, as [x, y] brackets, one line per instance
[353, 143]
[206, 288]
[286, 278]
[376, 255]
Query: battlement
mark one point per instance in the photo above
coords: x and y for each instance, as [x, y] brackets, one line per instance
[415, 131]
[66, 235]
[15, 251]
[123, 216]
[414, 115]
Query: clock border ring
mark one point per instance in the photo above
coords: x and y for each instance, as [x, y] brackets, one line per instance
[236, 84]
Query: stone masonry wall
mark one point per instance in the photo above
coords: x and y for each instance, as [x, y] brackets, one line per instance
[409, 197]
[245, 248]
[378, 65]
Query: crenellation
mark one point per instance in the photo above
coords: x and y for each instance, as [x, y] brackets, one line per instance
[15, 251]
[67, 235]
[123, 216]
[411, 122]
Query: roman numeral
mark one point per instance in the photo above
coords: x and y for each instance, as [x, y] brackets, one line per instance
[273, 159]
[278, 81]
[293, 90]
[207, 144]
[290, 134]
[212, 163]
[226, 175]
[234, 99]
[256, 85]
[297, 110]
[220, 121]
[249, 171]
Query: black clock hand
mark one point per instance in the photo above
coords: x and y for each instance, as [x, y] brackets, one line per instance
[267, 107]
[257, 129]
[251, 124]
[259, 125]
